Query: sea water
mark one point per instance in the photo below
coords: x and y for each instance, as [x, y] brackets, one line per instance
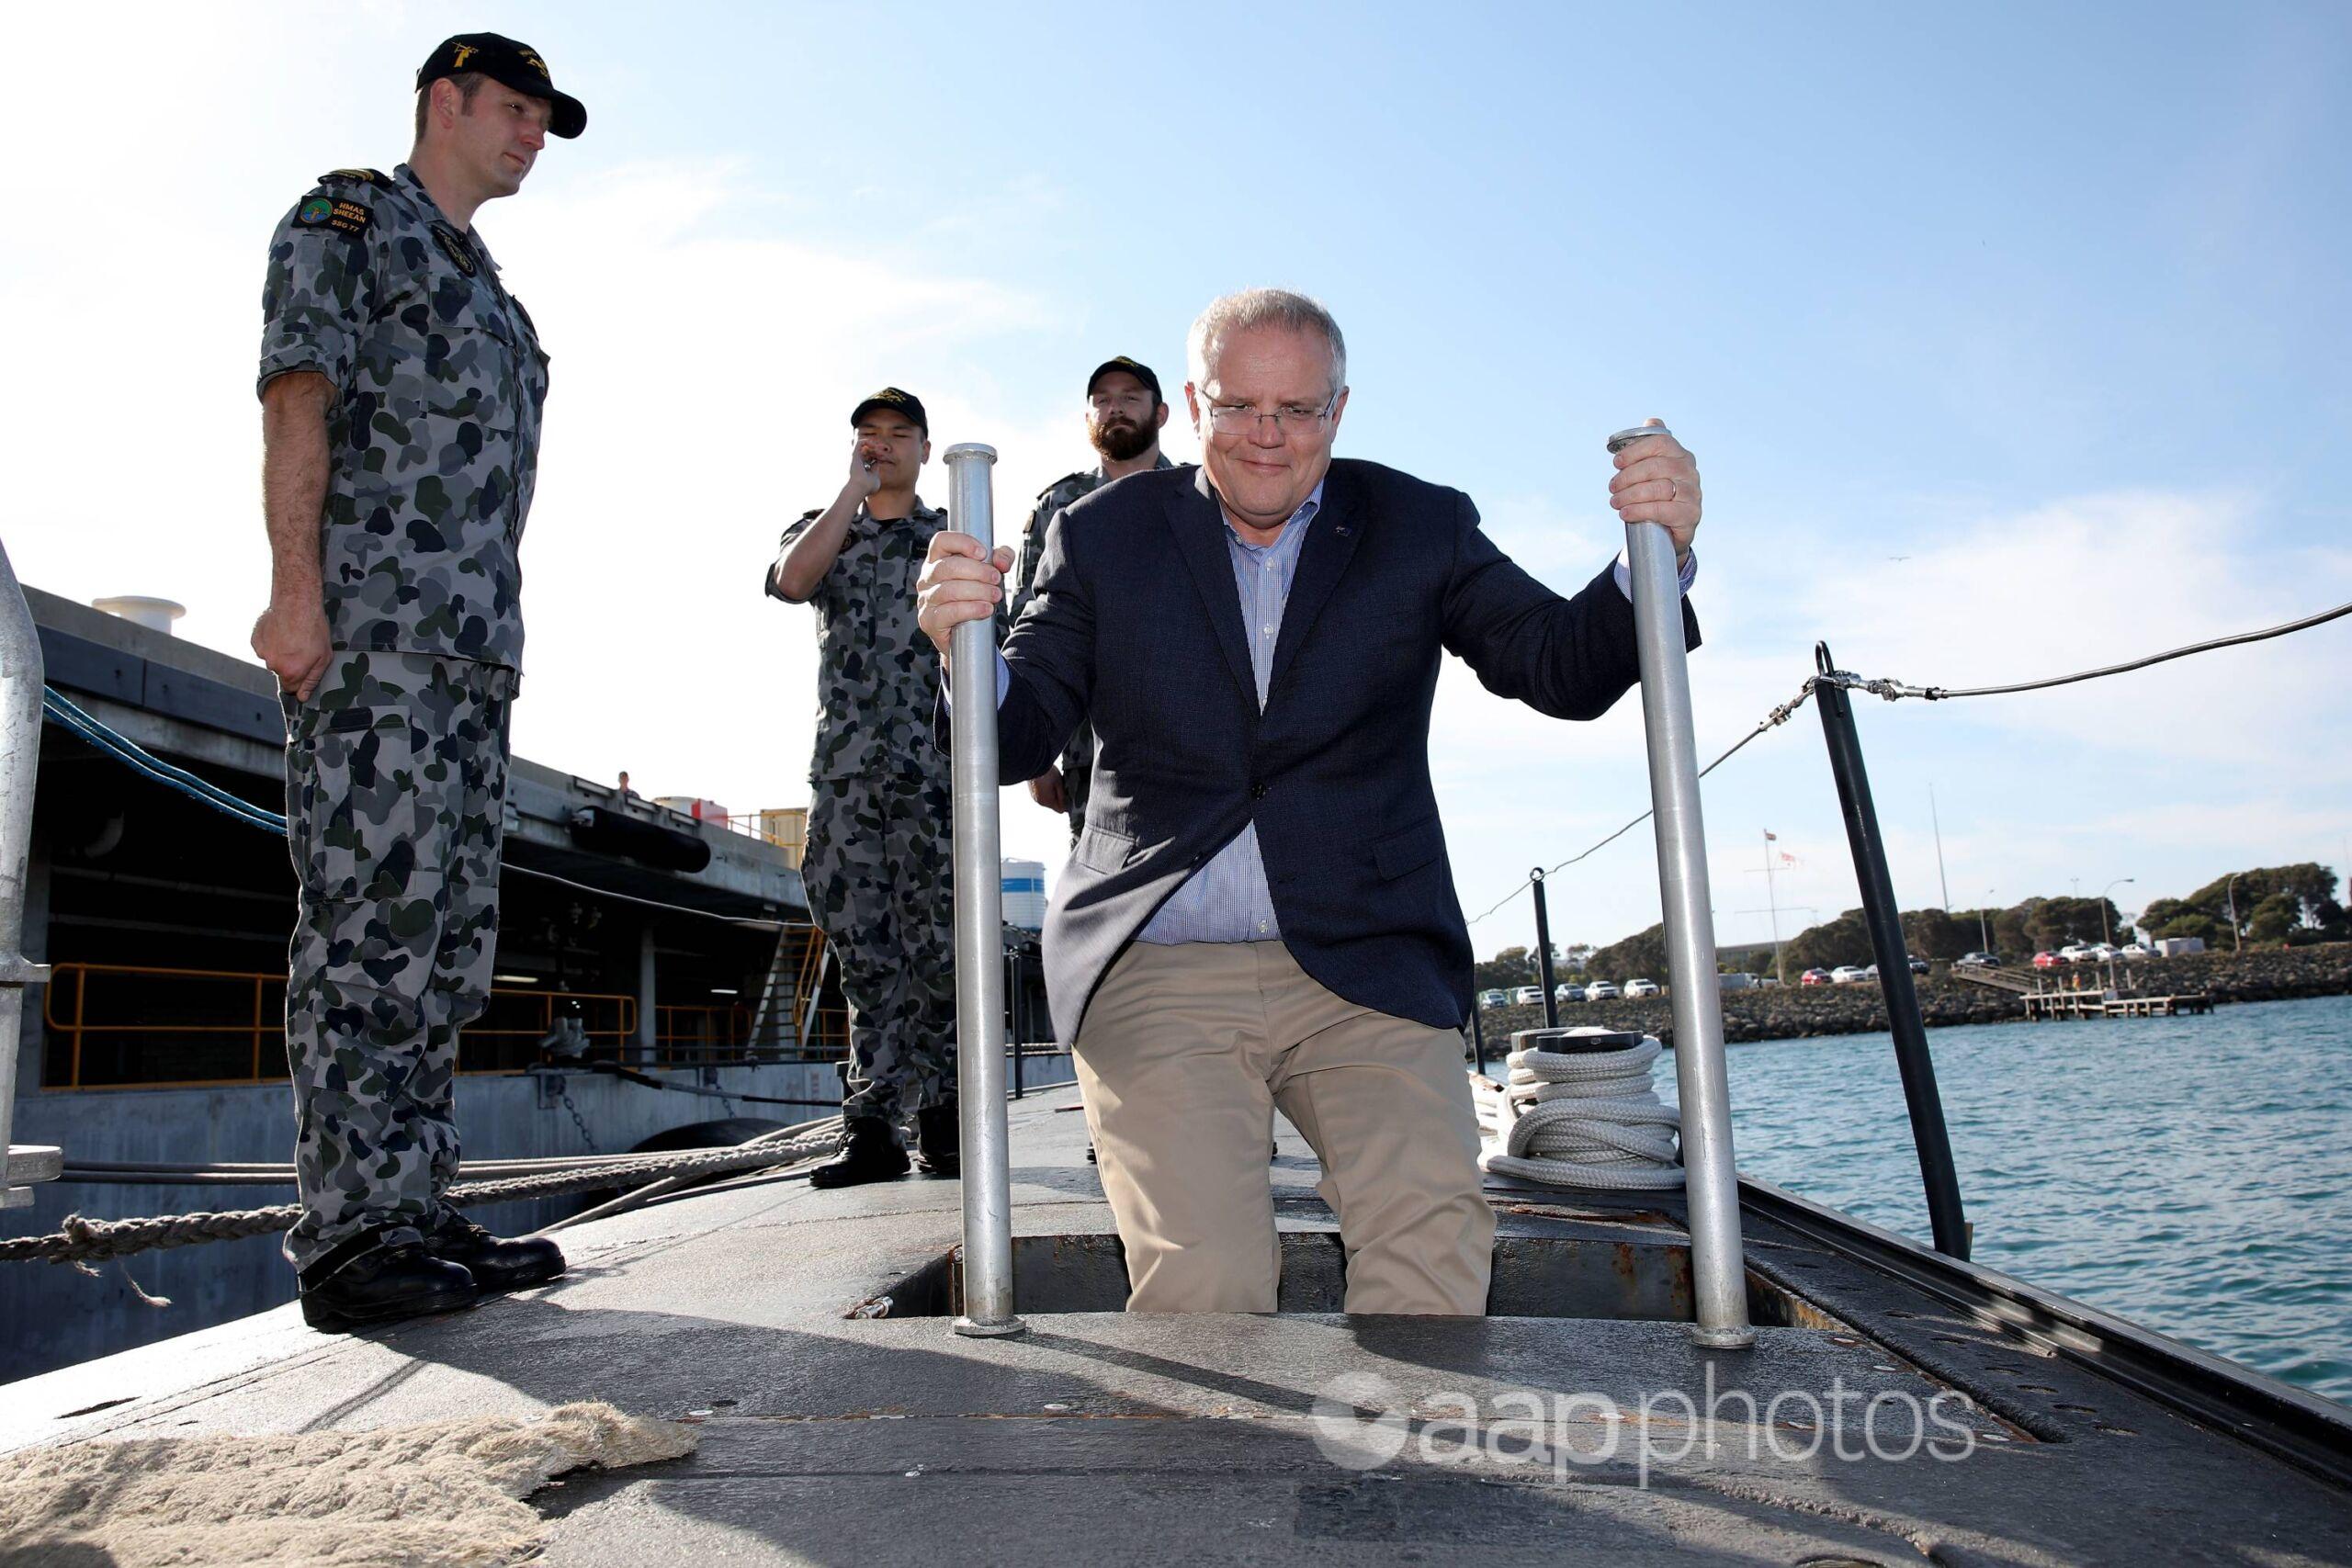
[2191, 1174]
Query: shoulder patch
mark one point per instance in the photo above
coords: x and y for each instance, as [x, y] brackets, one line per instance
[460, 253]
[360, 176]
[338, 213]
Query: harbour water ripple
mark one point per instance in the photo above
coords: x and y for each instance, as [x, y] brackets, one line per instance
[2192, 1174]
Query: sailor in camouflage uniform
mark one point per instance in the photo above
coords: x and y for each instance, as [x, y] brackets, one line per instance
[1125, 412]
[877, 865]
[402, 387]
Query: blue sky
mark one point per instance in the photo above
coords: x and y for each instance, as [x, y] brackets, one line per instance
[2008, 340]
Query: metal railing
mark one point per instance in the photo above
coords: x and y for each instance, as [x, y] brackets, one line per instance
[688, 1035]
[245, 1012]
[1710, 1180]
[980, 935]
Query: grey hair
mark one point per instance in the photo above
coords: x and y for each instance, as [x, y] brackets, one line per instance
[1254, 308]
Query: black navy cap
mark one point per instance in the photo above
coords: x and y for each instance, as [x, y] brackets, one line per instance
[516, 65]
[1135, 368]
[891, 397]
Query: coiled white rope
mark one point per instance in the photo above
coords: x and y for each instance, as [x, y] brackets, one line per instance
[1587, 1116]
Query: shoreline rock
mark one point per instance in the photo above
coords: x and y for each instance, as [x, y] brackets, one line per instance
[1794, 1012]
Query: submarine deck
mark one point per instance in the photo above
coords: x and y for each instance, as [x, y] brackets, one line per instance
[842, 1420]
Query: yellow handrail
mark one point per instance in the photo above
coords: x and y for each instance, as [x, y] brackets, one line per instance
[260, 1026]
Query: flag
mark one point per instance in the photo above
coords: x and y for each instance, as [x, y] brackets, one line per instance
[1770, 836]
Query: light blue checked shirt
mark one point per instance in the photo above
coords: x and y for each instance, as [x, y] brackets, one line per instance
[1229, 898]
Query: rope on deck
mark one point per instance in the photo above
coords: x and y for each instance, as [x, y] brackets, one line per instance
[1583, 1116]
[81, 1241]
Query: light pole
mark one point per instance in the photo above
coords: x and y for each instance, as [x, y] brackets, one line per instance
[2106, 935]
[1984, 931]
[2237, 942]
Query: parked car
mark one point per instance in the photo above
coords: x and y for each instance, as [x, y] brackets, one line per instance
[2135, 949]
[1848, 975]
[2099, 953]
[2075, 952]
[1771, 981]
[2046, 959]
[1918, 966]
[1734, 980]
[1641, 987]
[1601, 991]
[1565, 992]
[1870, 971]
[1494, 999]
[1526, 996]
[1814, 977]
[1978, 961]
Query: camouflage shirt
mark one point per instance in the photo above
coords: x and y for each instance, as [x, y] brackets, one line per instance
[1077, 758]
[434, 436]
[1052, 502]
[877, 675]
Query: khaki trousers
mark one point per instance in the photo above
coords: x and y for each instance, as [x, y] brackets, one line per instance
[1185, 1053]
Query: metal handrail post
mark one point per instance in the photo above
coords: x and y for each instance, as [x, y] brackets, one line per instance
[1543, 949]
[22, 676]
[1020, 993]
[1883, 916]
[1710, 1177]
[979, 932]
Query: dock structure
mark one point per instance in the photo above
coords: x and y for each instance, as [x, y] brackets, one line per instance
[2043, 1004]
[807, 1332]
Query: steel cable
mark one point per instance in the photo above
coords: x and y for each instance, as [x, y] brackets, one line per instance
[1894, 690]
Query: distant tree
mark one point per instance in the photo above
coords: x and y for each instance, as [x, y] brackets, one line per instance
[1511, 966]
[2271, 919]
[1933, 933]
[2054, 922]
[1845, 939]
[1988, 929]
[1641, 955]
[2283, 901]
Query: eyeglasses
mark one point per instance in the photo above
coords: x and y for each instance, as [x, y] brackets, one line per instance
[1291, 419]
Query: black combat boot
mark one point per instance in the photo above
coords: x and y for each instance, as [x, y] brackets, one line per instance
[938, 1134]
[869, 1152]
[496, 1265]
[381, 1284]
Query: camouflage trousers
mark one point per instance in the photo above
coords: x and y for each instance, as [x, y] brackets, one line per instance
[878, 870]
[395, 798]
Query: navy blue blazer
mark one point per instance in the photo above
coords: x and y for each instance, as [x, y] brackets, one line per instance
[1136, 626]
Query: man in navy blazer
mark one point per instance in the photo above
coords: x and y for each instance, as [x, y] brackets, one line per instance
[1259, 912]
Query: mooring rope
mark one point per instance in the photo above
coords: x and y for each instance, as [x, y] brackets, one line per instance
[1583, 1116]
[79, 1241]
